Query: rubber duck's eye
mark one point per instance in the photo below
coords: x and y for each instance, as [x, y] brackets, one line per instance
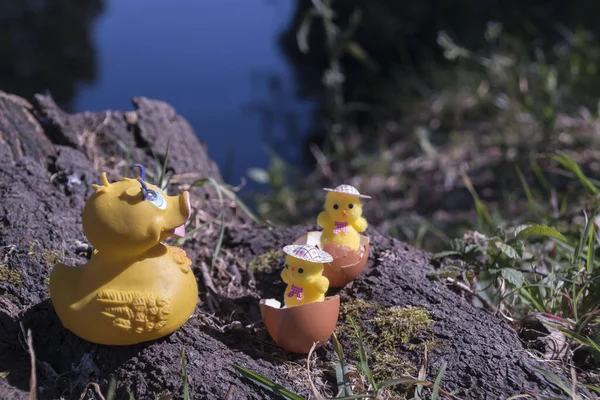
[335, 206]
[300, 270]
[351, 205]
[156, 199]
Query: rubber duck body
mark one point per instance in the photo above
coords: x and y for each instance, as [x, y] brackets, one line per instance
[134, 288]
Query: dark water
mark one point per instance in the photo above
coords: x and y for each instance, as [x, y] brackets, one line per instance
[216, 62]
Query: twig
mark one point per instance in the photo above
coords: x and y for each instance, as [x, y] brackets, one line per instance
[321, 160]
[96, 388]
[208, 282]
[312, 385]
[33, 377]
[234, 270]
[211, 293]
[574, 384]
[467, 289]
[229, 392]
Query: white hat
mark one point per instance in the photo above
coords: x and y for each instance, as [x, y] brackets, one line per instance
[308, 253]
[347, 189]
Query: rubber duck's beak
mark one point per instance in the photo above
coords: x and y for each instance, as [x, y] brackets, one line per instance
[180, 230]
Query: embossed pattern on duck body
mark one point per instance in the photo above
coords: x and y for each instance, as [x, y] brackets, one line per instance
[127, 303]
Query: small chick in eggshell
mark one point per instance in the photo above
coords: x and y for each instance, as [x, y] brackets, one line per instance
[342, 220]
[303, 274]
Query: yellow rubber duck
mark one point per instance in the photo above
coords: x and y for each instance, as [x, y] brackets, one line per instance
[342, 220]
[303, 274]
[134, 288]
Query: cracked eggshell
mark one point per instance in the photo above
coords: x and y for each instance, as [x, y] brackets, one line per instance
[347, 264]
[295, 329]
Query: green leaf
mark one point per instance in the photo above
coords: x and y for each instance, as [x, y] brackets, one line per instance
[500, 232]
[267, 384]
[507, 250]
[572, 166]
[519, 247]
[513, 276]
[457, 245]
[539, 230]
[554, 379]
[259, 175]
[436, 384]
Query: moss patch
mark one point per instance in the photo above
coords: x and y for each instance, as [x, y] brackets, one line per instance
[52, 256]
[382, 330]
[9, 275]
[265, 262]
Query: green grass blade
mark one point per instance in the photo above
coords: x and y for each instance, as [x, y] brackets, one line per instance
[399, 381]
[436, 384]
[582, 241]
[572, 166]
[482, 211]
[364, 362]
[163, 171]
[591, 250]
[184, 376]
[341, 369]
[593, 388]
[221, 231]
[533, 205]
[356, 396]
[525, 293]
[112, 387]
[267, 384]
[554, 380]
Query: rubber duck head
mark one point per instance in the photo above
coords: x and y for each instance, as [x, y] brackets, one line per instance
[130, 216]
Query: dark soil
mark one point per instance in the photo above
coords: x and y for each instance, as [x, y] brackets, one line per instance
[49, 160]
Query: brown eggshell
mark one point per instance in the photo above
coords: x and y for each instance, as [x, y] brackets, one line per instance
[295, 329]
[347, 264]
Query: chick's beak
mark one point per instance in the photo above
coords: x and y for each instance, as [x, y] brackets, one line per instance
[344, 213]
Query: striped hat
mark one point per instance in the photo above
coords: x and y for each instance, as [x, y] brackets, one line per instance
[347, 189]
[308, 253]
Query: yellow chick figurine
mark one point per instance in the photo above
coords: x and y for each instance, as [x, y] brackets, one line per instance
[134, 288]
[303, 274]
[342, 220]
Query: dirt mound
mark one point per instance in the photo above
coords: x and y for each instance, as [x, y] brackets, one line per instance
[50, 160]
